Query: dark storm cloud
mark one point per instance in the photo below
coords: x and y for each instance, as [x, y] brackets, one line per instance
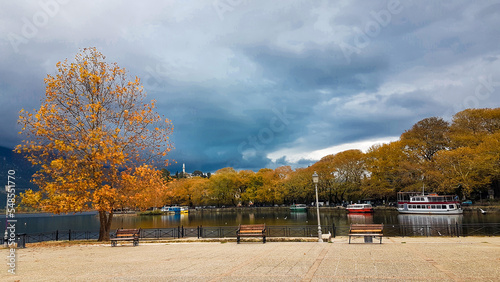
[317, 69]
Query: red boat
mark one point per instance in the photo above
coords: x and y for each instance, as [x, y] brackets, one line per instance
[359, 208]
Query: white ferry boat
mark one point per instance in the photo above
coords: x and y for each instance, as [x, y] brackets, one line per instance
[420, 203]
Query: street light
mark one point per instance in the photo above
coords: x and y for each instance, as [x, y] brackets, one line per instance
[315, 180]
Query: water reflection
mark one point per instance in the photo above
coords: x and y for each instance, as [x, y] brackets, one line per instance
[251, 218]
[422, 219]
[360, 218]
[430, 225]
[299, 216]
[33, 223]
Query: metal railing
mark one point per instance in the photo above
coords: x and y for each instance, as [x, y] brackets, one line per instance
[451, 230]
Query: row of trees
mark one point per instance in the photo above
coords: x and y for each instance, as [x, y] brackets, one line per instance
[460, 158]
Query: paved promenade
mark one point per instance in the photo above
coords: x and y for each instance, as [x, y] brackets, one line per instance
[396, 259]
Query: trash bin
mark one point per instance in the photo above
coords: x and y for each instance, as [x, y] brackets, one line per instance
[21, 240]
[368, 239]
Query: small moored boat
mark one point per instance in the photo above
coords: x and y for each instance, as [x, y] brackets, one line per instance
[359, 208]
[298, 207]
[175, 209]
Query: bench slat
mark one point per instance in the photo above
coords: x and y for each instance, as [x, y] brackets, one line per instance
[366, 230]
[126, 235]
[255, 230]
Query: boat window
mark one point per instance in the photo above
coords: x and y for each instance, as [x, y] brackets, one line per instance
[443, 207]
[433, 206]
[451, 206]
[428, 207]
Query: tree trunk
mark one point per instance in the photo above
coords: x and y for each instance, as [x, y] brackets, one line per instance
[105, 219]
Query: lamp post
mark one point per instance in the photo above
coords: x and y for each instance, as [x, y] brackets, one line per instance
[315, 178]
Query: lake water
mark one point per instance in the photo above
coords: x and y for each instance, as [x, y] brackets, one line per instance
[34, 223]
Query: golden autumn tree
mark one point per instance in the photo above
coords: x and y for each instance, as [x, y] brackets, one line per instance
[390, 170]
[224, 186]
[471, 126]
[349, 170]
[426, 138]
[272, 191]
[299, 186]
[472, 161]
[92, 125]
[145, 187]
[188, 191]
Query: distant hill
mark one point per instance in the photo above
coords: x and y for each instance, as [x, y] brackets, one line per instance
[9, 160]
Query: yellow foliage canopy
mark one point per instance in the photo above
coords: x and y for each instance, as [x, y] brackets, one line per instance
[91, 130]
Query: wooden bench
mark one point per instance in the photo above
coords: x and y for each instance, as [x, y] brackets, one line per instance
[366, 230]
[254, 230]
[126, 235]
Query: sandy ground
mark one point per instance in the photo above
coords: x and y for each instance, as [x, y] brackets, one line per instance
[396, 259]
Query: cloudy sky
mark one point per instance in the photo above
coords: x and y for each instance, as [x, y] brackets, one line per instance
[253, 84]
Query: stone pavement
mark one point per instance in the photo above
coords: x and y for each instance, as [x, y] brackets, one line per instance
[396, 259]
